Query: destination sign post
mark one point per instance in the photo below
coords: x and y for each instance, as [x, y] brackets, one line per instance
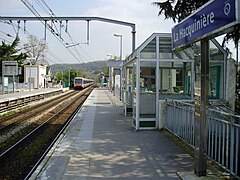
[217, 16]
[214, 18]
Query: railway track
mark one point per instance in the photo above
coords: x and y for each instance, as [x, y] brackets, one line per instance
[13, 104]
[19, 158]
[20, 117]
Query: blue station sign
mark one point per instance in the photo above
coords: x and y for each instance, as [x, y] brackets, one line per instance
[213, 17]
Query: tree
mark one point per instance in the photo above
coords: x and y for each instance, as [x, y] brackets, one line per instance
[9, 52]
[177, 10]
[36, 49]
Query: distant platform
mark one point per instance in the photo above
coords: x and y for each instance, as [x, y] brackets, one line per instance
[27, 93]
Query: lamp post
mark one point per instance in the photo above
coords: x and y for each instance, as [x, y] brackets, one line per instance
[30, 76]
[109, 55]
[119, 35]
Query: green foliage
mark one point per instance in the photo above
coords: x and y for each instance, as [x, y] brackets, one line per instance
[88, 70]
[7, 114]
[178, 88]
[105, 70]
[177, 10]
[9, 52]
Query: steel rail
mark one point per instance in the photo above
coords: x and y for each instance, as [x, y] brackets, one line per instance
[34, 130]
[53, 142]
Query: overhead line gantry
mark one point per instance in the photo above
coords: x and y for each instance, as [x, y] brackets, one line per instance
[88, 19]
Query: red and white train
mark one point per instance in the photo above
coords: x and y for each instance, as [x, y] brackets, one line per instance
[81, 83]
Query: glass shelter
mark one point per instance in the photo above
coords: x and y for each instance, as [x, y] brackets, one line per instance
[153, 73]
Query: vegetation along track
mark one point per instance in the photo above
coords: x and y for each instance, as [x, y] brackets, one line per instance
[18, 157]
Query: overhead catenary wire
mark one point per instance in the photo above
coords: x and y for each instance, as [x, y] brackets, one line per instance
[31, 34]
[55, 32]
[52, 14]
[28, 33]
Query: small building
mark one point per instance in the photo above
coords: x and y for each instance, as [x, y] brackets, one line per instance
[35, 76]
[154, 73]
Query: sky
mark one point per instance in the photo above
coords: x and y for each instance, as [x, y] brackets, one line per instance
[102, 40]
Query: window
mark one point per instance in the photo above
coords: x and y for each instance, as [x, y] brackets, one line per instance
[175, 80]
[149, 52]
[165, 48]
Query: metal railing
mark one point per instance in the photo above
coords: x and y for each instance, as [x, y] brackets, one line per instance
[223, 132]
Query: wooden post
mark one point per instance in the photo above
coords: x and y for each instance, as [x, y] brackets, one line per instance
[201, 110]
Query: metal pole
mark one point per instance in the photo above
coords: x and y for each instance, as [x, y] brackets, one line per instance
[2, 77]
[62, 80]
[69, 79]
[45, 31]
[13, 84]
[88, 32]
[201, 110]
[133, 38]
[30, 74]
[121, 47]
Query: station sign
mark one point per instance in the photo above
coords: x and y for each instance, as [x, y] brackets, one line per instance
[214, 17]
[10, 68]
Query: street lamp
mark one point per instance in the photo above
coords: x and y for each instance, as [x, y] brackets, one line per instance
[110, 56]
[121, 83]
[119, 35]
[30, 77]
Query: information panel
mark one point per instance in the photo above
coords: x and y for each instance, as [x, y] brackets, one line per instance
[10, 68]
[211, 18]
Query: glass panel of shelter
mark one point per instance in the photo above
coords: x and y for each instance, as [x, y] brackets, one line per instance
[216, 67]
[165, 48]
[128, 88]
[134, 93]
[149, 52]
[147, 89]
[175, 80]
[216, 72]
[175, 76]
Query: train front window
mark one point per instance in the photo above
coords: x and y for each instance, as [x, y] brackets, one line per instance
[78, 80]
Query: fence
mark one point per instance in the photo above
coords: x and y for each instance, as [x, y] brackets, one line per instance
[223, 132]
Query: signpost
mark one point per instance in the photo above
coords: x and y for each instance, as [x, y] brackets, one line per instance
[217, 16]
[214, 18]
[9, 68]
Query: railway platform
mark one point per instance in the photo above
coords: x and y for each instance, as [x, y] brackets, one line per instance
[17, 99]
[101, 144]
[22, 94]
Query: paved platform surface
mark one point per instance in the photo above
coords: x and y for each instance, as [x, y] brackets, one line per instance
[12, 96]
[100, 144]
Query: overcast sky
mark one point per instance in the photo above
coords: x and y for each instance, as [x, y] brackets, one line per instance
[102, 41]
